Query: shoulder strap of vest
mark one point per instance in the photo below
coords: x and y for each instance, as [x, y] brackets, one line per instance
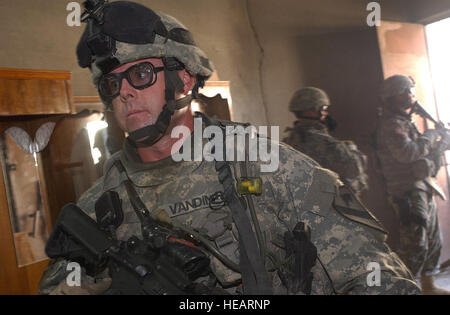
[254, 275]
[109, 180]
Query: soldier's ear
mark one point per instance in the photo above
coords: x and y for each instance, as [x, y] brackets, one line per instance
[188, 81]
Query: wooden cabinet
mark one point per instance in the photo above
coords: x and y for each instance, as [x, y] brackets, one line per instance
[33, 105]
[35, 92]
[215, 100]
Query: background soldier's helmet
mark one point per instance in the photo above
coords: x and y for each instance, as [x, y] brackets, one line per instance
[395, 85]
[308, 98]
[128, 31]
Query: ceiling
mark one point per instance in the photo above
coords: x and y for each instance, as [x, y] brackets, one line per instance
[302, 17]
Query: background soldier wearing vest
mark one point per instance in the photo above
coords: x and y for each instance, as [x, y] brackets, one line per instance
[300, 232]
[310, 135]
[407, 161]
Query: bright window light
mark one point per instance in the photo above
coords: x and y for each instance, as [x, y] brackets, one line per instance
[439, 51]
[92, 128]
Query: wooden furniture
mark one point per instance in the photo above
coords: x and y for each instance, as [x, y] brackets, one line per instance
[35, 92]
[215, 100]
[28, 100]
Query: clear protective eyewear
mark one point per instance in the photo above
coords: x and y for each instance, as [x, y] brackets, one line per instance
[139, 76]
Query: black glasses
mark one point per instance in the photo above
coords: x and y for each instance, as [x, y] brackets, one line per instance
[140, 76]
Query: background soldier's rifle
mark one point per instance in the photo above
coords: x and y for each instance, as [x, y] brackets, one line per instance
[443, 144]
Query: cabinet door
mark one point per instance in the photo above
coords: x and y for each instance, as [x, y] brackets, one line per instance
[24, 224]
[34, 186]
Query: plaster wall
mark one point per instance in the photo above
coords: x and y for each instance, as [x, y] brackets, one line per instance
[35, 35]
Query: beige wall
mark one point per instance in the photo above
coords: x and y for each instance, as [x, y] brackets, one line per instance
[35, 36]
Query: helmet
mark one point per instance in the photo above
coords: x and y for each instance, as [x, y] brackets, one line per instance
[127, 31]
[124, 31]
[395, 85]
[308, 98]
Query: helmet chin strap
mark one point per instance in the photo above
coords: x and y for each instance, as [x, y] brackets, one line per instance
[149, 135]
[300, 116]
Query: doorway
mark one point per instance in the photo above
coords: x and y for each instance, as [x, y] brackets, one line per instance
[438, 52]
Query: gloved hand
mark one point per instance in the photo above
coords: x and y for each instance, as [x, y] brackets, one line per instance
[54, 281]
[432, 135]
[89, 286]
[445, 140]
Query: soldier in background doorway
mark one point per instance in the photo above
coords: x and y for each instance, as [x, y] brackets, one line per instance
[310, 135]
[405, 157]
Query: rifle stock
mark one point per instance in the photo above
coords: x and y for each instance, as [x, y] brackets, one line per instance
[76, 237]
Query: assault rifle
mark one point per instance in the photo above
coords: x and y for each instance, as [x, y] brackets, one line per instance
[135, 266]
[444, 143]
[421, 111]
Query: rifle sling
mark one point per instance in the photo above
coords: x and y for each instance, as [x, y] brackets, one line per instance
[254, 275]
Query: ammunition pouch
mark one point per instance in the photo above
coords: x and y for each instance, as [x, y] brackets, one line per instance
[423, 168]
[404, 207]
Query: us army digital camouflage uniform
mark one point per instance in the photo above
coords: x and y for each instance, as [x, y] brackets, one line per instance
[343, 157]
[402, 151]
[348, 238]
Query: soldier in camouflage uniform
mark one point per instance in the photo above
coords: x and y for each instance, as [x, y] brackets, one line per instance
[310, 135]
[403, 154]
[345, 236]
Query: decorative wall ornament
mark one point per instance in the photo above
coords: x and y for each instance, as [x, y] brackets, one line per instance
[24, 141]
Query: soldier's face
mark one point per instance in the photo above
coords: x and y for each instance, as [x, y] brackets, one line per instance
[323, 112]
[135, 108]
[320, 114]
[406, 99]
